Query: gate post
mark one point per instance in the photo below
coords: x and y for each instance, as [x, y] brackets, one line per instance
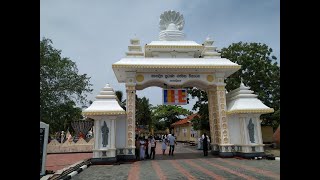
[131, 115]
[219, 131]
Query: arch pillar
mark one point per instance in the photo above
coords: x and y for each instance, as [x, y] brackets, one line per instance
[219, 132]
[131, 115]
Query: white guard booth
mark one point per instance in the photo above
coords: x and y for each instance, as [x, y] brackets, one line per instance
[109, 127]
[244, 111]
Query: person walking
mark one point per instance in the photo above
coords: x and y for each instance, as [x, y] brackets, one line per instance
[153, 145]
[137, 143]
[142, 149]
[172, 142]
[208, 139]
[147, 149]
[164, 145]
[205, 145]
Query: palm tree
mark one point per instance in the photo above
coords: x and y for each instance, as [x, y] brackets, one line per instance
[122, 103]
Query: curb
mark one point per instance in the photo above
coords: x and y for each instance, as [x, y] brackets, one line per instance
[68, 172]
[73, 173]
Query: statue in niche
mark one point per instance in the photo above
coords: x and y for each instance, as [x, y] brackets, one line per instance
[105, 134]
[251, 131]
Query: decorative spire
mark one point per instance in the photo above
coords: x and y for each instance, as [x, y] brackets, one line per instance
[208, 38]
[243, 100]
[106, 103]
[106, 93]
[242, 85]
[134, 48]
[171, 25]
[241, 78]
[209, 50]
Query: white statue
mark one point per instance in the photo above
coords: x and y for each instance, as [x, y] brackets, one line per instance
[89, 135]
[62, 136]
[171, 17]
[171, 25]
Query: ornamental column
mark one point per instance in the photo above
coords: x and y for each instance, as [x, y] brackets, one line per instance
[113, 133]
[131, 113]
[218, 120]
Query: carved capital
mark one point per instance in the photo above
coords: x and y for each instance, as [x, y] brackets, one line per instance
[221, 88]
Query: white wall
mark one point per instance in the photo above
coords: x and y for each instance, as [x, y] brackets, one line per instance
[121, 132]
[234, 129]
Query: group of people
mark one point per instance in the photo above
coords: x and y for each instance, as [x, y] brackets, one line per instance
[145, 148]
[204, 144]
[168, 140]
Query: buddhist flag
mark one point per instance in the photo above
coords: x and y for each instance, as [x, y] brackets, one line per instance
[174, 96]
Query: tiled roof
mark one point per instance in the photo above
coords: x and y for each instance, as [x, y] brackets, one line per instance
[185, 121]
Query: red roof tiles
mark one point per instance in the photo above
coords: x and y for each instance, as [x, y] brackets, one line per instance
[185, 121]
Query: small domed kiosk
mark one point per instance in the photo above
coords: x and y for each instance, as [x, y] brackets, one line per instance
[109, 127]
[243, 112]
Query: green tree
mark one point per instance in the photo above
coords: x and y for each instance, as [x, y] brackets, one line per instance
[159, 125]
[143, 112]
[201, 122]
[259, 70]
[168, 114]
[61, 88]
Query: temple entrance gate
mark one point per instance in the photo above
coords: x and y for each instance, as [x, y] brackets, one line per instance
[173, 62]
[176, 63]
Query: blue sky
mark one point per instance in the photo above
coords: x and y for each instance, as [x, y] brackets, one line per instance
[96, 33]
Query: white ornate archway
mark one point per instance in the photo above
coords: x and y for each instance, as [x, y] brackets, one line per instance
[177, 63]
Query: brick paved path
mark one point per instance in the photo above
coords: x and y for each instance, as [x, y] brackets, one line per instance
[59, 161]
[187, 163]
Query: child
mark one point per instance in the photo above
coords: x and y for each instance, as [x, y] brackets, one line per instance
[164, 145]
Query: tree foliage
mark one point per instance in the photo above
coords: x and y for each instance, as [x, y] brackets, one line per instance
[259, 70]
[61, 88]
[122, 102]
[201, 122]
[143, 111]
[168, 114]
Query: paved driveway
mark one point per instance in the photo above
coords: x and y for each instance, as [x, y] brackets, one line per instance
[187, 163]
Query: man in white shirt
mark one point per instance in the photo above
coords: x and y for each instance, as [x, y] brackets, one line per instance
[172, 142]
[168, 136]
